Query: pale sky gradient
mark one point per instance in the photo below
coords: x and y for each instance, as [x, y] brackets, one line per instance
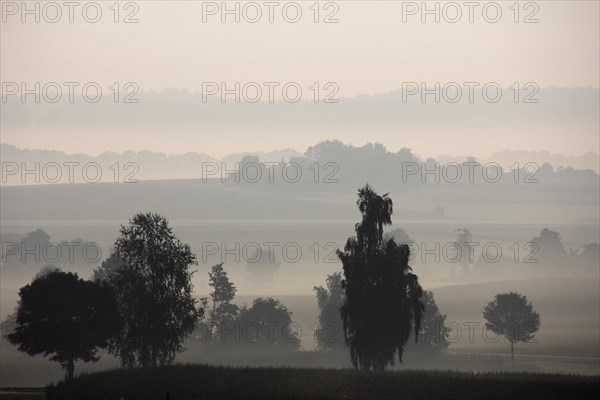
[369, 51]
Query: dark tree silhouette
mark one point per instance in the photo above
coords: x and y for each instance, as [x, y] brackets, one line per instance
[330, 299]
[154, 291]
[434, 332]
[223, 312]
[512, 316]
[382, 294]
[62, 315]
[267, 324]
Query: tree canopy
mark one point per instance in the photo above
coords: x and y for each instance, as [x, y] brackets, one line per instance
[153, 288]
[512, 316]
[267, 323]
[64, 316]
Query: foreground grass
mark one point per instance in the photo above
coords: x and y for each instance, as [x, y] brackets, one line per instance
[197, 381]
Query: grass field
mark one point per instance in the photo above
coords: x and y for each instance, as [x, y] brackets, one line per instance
[197, 381]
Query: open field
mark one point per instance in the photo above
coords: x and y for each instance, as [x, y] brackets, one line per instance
[196, 381]
[22, 393]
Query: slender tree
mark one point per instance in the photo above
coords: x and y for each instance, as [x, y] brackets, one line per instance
[223, 293]
[62, 315]
[153, 288]
[382, 294]
[512, 316]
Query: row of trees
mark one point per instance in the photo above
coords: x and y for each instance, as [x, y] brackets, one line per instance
[140, 304]
[36, 247]
[270, 320]
[380, 300]
[546, 249]
[331, 297]
[509, 314]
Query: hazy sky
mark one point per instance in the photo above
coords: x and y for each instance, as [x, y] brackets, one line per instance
[369, 51]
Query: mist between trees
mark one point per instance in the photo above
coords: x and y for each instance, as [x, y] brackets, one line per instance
[140, 304]
[234, 333]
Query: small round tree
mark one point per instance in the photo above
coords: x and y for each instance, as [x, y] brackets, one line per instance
[267, 326]
[62, 315]
[512, 316]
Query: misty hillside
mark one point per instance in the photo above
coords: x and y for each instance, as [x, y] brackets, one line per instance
[329, 174]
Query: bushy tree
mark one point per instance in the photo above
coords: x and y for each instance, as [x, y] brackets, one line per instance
[64, 316]
[550, 245]
[434, 332]
[330, 299]
[267, 324]
[382, 294]
[153, 288]
[512, 316]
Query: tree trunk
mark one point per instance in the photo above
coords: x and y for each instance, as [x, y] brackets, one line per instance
[212, 323]
[512, 352]
[70, 370]
[212, 317]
